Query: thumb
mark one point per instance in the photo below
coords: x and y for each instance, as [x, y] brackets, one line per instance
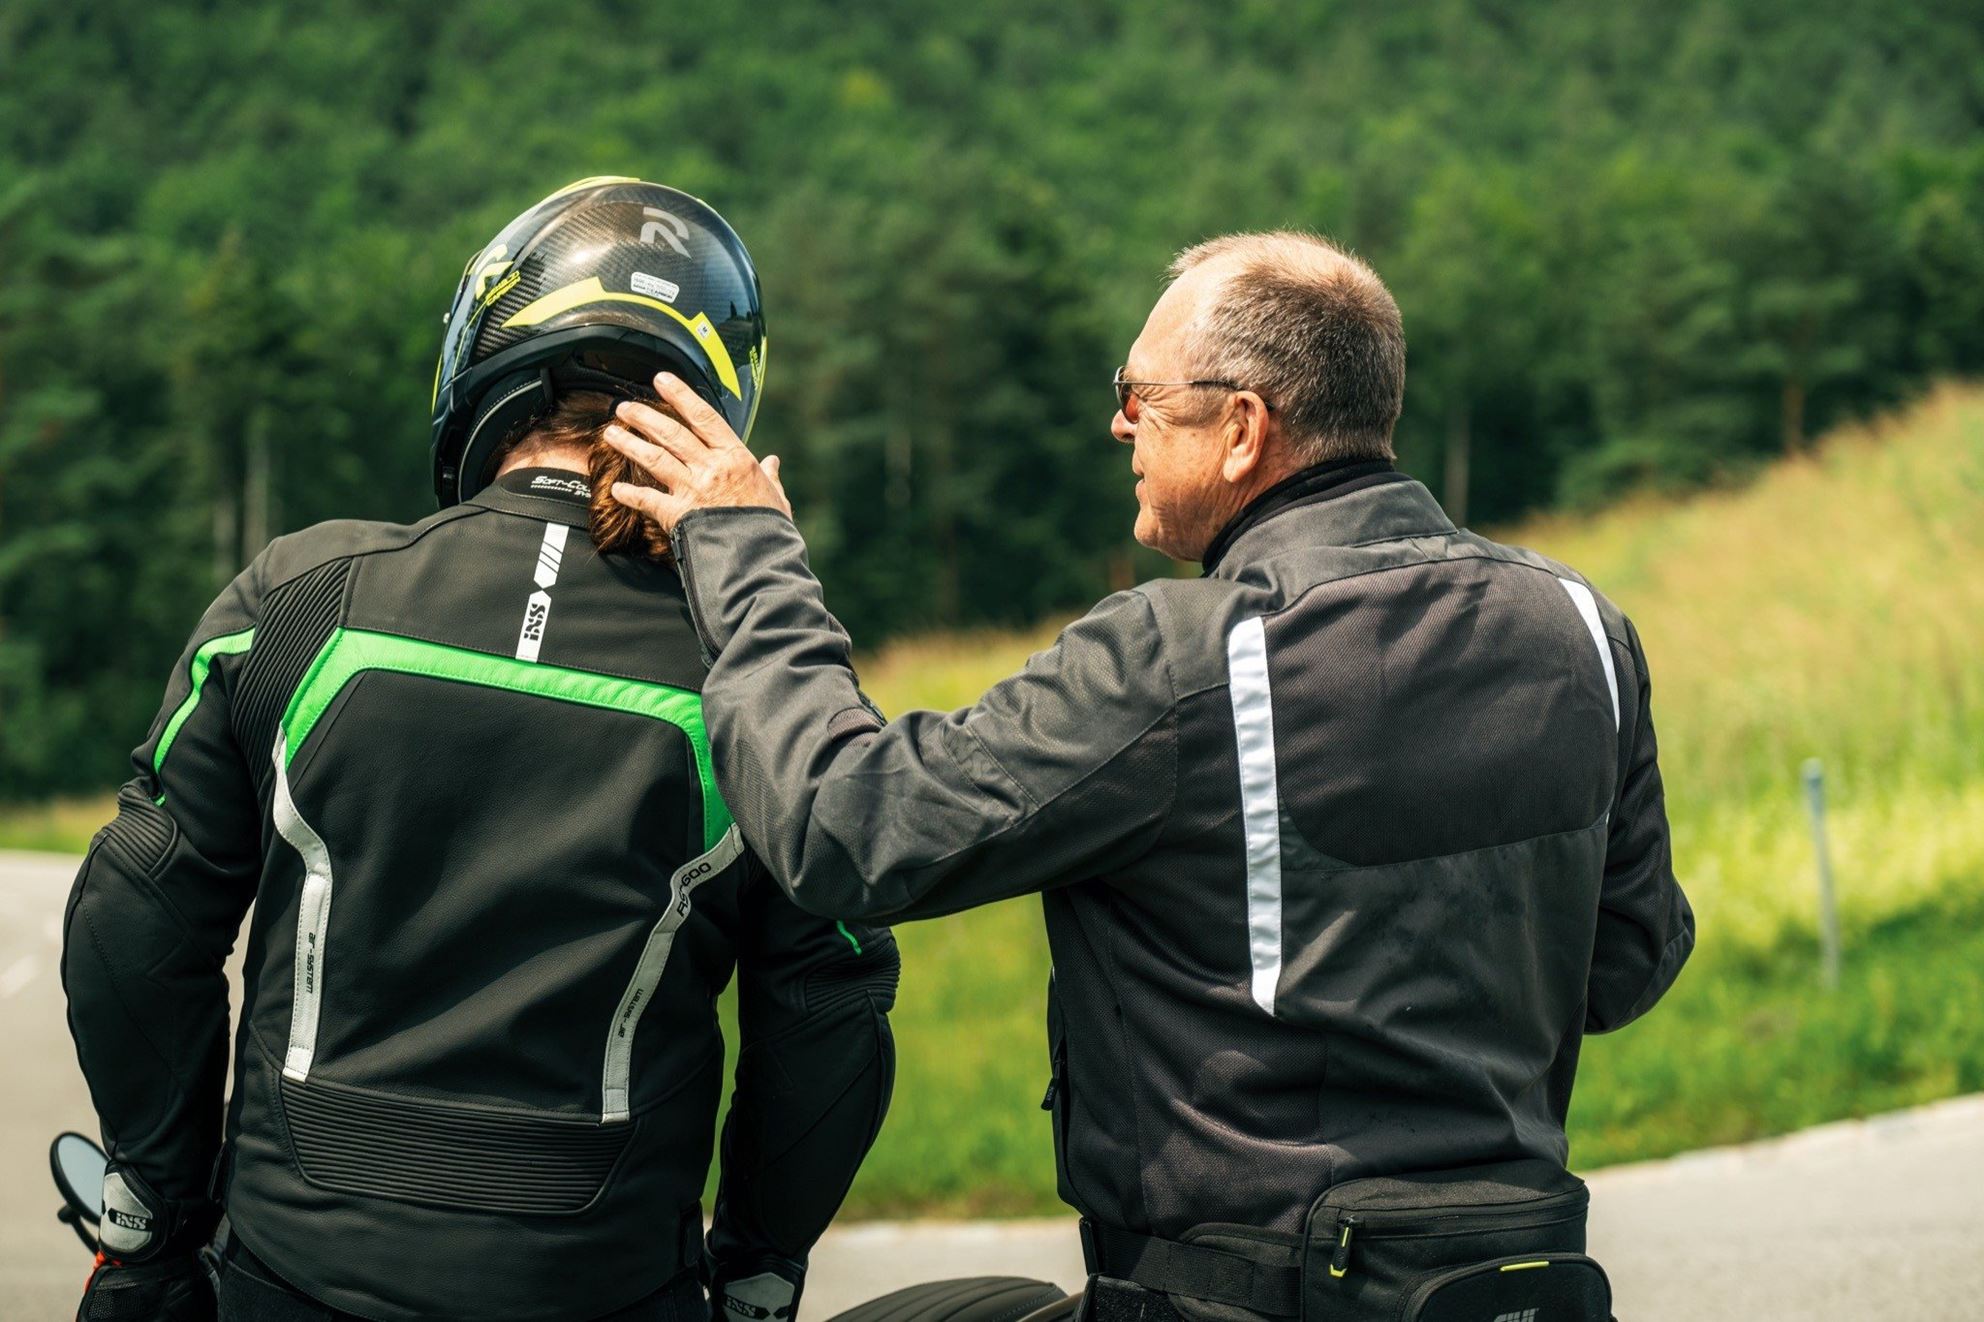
[770, 466]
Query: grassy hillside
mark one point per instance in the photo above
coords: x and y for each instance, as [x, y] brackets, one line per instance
[1833, 608]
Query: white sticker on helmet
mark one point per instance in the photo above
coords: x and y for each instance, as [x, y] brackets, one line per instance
[655, 287]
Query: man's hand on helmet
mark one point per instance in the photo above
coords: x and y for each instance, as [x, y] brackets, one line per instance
[699, 462]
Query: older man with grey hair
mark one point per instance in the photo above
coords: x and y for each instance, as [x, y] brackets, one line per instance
[1343, 847]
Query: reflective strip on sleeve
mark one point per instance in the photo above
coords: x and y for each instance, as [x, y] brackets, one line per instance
[313, 922]
[615, 1094]
[1260, 801]
[1587, 605]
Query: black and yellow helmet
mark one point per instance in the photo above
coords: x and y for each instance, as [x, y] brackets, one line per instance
[597, 287]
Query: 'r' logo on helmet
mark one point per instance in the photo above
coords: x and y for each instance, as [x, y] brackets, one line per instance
[664, 228]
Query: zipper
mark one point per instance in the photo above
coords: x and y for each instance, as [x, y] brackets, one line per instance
[680, 551]
[1340, 1259]
[1434, 1216]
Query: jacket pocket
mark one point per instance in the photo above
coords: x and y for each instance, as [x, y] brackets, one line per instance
[1545, 1285]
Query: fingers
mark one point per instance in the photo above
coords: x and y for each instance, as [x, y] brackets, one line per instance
[705, 421]
[659, 429]
[663, 508]
[662, 465]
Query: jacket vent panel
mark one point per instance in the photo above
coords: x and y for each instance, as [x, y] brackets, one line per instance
[297, 619]
[468, 1159]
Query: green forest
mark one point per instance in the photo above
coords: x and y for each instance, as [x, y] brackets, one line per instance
[1636, 246]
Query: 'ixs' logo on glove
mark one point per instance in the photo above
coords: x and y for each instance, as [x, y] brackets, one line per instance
[756, 1298]
[130, 1214]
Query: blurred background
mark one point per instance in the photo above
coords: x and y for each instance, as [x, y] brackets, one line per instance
[1691, 292]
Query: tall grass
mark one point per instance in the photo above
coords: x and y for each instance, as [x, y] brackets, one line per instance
[1833, 609]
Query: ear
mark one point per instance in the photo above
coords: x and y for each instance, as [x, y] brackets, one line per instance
[1243, 435]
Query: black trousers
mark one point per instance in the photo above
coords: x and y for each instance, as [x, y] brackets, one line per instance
[251, 1292]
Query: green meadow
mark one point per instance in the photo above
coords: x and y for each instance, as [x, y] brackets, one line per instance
[1832, 606]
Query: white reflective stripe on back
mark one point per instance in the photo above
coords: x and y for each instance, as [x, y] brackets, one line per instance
[1260, 801]
[615, 1091]
[537, 606]
[313, 922]
[1587, 606]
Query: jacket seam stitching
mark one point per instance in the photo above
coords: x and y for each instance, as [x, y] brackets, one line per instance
[1033, 804]
[1041, 804]
[465, 511]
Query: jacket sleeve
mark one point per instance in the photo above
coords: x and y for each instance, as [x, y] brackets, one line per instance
[1645, 927]
[150, 922]
[1060, 773]
[814, 1073]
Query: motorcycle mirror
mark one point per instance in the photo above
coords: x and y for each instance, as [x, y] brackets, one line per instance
[78, 1165]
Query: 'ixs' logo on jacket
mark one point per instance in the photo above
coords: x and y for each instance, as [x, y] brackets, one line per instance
[537, 606]
[1526, 1315]
[142, 1224]
[535, 612]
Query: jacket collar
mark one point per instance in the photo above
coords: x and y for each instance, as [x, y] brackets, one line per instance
[1408, 510]
[556, 495]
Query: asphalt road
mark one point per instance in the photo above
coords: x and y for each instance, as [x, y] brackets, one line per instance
[1853, 1222]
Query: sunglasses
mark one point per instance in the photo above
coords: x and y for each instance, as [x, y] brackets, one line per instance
[1132, 406]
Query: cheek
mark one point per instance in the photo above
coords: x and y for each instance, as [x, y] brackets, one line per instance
[1169, 474]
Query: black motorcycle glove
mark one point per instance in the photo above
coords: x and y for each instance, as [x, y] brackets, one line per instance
[170, 1289]
[762, 1288]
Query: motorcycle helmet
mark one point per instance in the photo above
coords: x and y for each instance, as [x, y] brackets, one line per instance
[598, 287]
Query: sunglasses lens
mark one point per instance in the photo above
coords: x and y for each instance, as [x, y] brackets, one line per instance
[1125, 400]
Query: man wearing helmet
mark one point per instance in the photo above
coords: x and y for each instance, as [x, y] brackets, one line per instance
[464, 782]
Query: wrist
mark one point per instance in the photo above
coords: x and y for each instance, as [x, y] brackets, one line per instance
[139, 1225]
[758, 1288]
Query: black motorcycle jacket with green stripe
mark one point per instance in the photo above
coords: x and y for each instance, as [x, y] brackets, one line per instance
[459, 769]
[1344, 847]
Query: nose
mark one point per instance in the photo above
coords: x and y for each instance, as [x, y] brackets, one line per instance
[1122, 428]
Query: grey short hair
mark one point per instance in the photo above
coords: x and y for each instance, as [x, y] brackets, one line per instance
[1313, 330]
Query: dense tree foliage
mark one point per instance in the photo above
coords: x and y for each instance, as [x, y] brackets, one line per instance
[1634, 244]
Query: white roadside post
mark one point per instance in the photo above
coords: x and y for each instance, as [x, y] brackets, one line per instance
[1815, 800]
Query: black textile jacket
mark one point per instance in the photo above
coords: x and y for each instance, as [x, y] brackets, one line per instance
[459, 769]
[1343, 847]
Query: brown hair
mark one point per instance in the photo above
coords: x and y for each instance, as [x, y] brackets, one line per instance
[578, 421]
[1312, 328]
